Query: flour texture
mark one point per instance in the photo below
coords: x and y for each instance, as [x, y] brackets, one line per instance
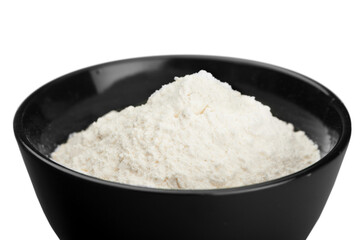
[194, 133]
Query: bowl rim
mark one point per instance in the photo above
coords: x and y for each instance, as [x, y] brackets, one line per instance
[338, 148]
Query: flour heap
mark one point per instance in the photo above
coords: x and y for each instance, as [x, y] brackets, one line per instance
[194, 133]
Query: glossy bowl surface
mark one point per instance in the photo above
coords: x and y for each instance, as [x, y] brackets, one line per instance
[82, 207]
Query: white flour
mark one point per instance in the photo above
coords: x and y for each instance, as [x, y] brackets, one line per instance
[194, 133]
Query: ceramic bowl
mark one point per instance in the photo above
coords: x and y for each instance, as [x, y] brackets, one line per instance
[78, 206]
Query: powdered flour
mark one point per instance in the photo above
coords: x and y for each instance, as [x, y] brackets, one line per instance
[194, 133]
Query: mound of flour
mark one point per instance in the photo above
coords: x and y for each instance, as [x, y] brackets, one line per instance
[194, 133]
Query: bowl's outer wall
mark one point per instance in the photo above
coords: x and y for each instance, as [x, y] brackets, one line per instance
[80, 208]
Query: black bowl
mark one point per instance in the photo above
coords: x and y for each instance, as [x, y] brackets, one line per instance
[82, 207]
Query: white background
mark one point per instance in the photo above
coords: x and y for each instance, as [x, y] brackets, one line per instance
[41, 40]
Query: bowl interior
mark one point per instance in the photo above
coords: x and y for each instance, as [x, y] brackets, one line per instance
[70, 103]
